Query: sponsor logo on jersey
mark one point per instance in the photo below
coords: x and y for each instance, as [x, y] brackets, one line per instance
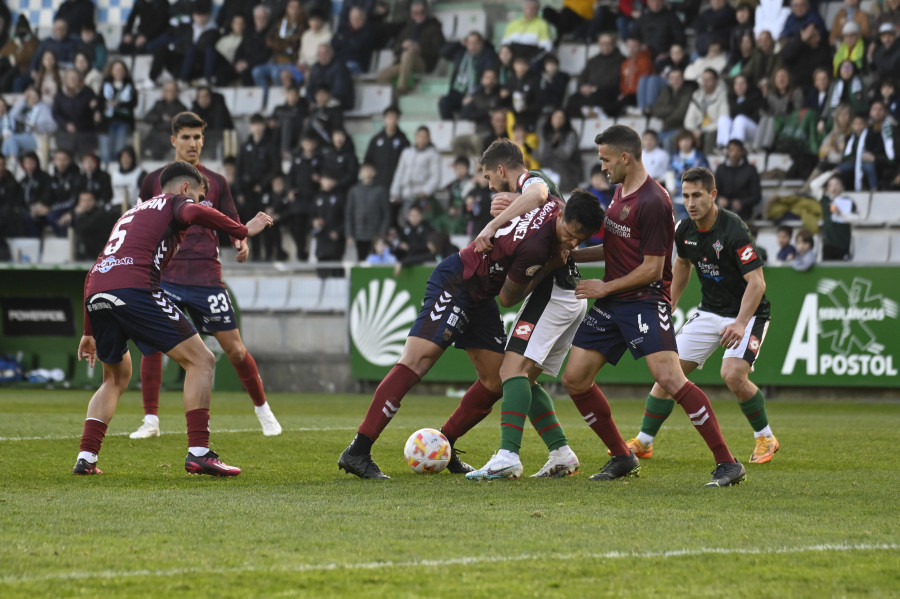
[689, 242]
[746, 254]
[617, 229]
[523, 330]
[718, 247]
[110, 262]
[753, 344]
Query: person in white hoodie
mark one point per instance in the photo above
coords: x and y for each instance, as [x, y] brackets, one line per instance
[418, 173]
[708, 103]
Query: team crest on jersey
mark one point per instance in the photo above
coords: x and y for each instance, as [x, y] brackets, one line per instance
[532, 270]
[718, 247]
[625, 210]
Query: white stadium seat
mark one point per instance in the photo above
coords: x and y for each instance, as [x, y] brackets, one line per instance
[25, 250]
[56, 250]
[885, 207]
[638, 123]
[371, 99]
[274, 295]
[305, 293]
[863, 200]
[871, 246]
[246, 101]
[468, 21]
[591, 128]
[572, 58]
[243, 292]
[894, 257]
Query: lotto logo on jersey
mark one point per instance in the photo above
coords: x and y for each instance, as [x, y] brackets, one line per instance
[523, 330]
[754, 344]
[746, 254]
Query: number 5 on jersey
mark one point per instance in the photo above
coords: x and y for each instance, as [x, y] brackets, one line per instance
[117, 237]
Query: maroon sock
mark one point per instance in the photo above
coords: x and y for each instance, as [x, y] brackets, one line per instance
[476, 404]
[151, 381]
[93, 434]
[596, 413]
[696, 404]
[198, 427]
[249, 375]
[387, 400]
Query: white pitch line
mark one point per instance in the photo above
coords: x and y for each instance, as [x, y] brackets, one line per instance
[214, 431]
[458, 561]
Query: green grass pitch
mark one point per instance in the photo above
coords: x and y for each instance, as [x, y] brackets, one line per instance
[819, 521]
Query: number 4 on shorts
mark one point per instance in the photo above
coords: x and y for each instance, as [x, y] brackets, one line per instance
[641, 326]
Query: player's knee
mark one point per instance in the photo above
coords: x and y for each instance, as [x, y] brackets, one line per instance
[733, 378]
[236, 353]
[575, 384]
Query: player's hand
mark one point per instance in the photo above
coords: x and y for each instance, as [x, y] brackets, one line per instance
[243, 250]
[501, 202]
[258, 223]
[87, 349]
[732, 335]
[590, 289]
[557, 260]
[483, 243]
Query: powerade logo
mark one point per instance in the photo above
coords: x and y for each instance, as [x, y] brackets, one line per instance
[110, 262]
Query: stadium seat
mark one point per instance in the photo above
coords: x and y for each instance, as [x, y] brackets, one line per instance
[863, 201]
[371, 100]
[112, 34]
[276, 99]
[335, 295]
[56, 250]
[767, 240]
[894, 256]
[448, 23]
[464, 128]
[591, 128]
[188, 96]
[758, 160]
[714, 161]
[777, 161]
[441, 134]
[472, 20]
[572, 58]
[24, 250]
[447, 172]
[140, 67]
[146, 100]
[638, 123]
[243, 292]
[305, 293]
[885, 207]
[246, 100]
[871, 246]
[274, 295]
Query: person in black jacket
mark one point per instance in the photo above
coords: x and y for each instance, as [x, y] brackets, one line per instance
[63, 192]
[470, 59]
[340, 158]
[354, 41]
[302, 185]
[76, 14]
[76, 111]
[553, 85]
[92, 224]
[738, 182]
[273, 203]
[714, 25]
[257, 162]
[329, 223]
[414, 235]
[253, 50]
[157, 144]
[385, 148]
[13, 209]
[210, 106]
[152, 18]
[332, 74]
[36, 187]
[524, 89]
[417, 48]
[477, 106]
[658, 28]
[95, 180]
[287, 120]
[803, 54]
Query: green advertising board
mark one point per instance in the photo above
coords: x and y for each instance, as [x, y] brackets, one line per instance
[834, 326]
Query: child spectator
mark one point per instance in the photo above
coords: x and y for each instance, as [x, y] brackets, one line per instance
[838, 214]
[806, 254]
[455, 221]
[329, 224]
[687, 156]
[273, 204]
[303, 183]
[786, 252]
[380, 253]
[656, 160]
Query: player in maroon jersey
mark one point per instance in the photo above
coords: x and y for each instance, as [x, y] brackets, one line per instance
[193, 281]
[123, 300]
[460, 309]
[632, 309]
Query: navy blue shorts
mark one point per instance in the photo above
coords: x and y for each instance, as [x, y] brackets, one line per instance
[611, 326]
[449, 316]
[209, 307]
[146, 317]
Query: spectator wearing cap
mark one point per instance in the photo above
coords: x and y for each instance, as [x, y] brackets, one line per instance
[417, 48]
[801, 16]
[385, 149]
[333, 74]
[470, 58]
[353, 42]
[851, 47]
[849, 13]
[147, 20]
[885, 54]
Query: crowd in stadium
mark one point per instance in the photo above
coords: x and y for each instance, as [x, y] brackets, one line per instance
[721, 78]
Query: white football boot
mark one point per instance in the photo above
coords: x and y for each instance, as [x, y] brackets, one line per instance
[150, 428]
[267, 419]
[562, 462]
[503, 464]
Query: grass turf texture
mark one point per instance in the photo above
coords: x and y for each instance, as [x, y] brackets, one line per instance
[820, 520]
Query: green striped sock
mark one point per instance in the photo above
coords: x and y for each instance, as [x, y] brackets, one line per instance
[656, 411]
[543, 417]
[755, 411]
[516, 401]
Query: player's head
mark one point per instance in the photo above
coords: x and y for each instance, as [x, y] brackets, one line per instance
[619, 151]
[183, 178]
[187, 137]
[698, 187]
[501, 163]
[582, 217]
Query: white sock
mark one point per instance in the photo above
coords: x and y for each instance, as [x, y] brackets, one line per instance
[645, 439]
[263, 408]
[198, 452]
[87, 455]
[151, 419]
[766, 432]
[505, 453]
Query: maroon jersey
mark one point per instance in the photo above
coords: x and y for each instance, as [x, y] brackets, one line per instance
[638, 225]
[521, 249]
[197, 262]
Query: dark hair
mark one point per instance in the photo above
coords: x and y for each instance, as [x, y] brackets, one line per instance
[229, 160]
[701, 175]
[622, 138]
[502, 152]
[548, 125]
[178, 171]
[685, 134]
[786, 229]
[392, 108]
[652, 133]
[424, 128]
[551, 58]
[257, 118]
[461, 160]
[806, 236]
[187, 120]
[584, 210]
[597, 169]
[712, 72]
[737, 142]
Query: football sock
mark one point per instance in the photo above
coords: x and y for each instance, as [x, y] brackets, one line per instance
[765, 432]
[595, 410]
[755, 411]
[151, 381]
[474, 407]
[250, 379]
[87, 455]
[696, 404]
[386, 401]
[515, 404]
[542, 415]
[92, 436]
[656, 411]
[198, 452]
[361, 445]
[198, 428]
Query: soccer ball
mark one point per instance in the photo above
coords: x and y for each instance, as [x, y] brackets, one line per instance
[427, 451]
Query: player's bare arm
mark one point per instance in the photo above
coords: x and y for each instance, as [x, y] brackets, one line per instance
[753, 294]
[681, 275]
[650, 270]
[595, 253]
[87, 349]
[258, 224]
[512, 293]
[534, 196]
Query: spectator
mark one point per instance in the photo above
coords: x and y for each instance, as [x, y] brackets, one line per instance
[30, 117]
[414, 235]
[274, 203]
[284, 42]
[302, 184]
[658, 28]
[600, 187]
[769, 61]
[329, 224]
[366, 7]
[553, 85]
[257, 162]
[888, 95]
[738, 182]
[849, 13]
[687, 156]
[884, 56]
[650, 86]
[574, 18]
[92, 225]
[455, 192]
[334, 75]
[380, 253]
[598, 84]
[848, 88]
[831, 150]
[786, 251]
[872, 152]
[210, 106]
[524, 92]
[152, 18]
[745, 60]
[254, 50]
[478, 204]
[13, 208]
[839, 212]
[157, 143]
[655, 159]
[76, 14]
[499, 128]
[529, 35]
[478, 106]
[368, 214]
[126, 177]
[16, 56]
[886, 11]
[715, 60]
[92, 78]
[219, 64]
[95, 180]
[59, 43]
[119, 100]
[93, 45]
[801, 16]
[676, 58]
[817, 97]
[743, 15]
[318, 34]
[438, 247]
[637, 64]
[558, 150]
[714, 25]
[779, 101]
[190, 44]
[806, 253]
[231, 9]
[36, 184]
[417, 48]
[385, 149]
[851, 48]
[418, 174]
[340, 158]
[77, 113]
[229, 164]
[49, 78]
[470, 60]
[527, 145]
[353, 44]
[63, 191]
[287, 120]
[505, 61]
[742, 120]
[325, 114]
[671, 107]
[708, 104]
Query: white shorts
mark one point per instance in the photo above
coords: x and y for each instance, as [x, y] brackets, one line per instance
[702, 334]
[545, 326]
